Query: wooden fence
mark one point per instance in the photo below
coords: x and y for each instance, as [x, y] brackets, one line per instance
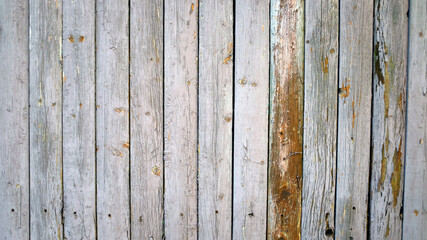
[213, 119]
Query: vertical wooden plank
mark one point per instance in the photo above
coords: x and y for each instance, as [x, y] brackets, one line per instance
[180, 136]
[388, 118]
[320, 119]
[415, 207]
[146, 81]
[215, 119]
[79, 119]
[14, 148]
[46, 119]
[112, 119]
[251, 119]
[286, 119]
[354, 118]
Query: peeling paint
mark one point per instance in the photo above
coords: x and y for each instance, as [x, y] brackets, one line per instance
[285, 175]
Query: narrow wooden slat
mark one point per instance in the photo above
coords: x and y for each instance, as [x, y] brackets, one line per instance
[180, 136]
[320, 119]
[286, 119]
[146, 88]
[14, 148]
[79, 119]
[112, 119]
[251, 119]
[354, 118]
[415, 202]
[215, 119]
[45, 119]
[388, 118]
[45, 42]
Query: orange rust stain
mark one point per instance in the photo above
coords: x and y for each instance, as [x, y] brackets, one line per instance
[156, 170]
[226, 60]
[285, 168]
[126, 145]
[229, 53]
[192, 8]
[81, 39]
[325, 65]
[71, 38]
[119, 110]
[345, 89]
[416, 212]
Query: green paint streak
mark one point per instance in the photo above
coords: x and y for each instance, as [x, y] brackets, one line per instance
[383, 163]
[397, 173]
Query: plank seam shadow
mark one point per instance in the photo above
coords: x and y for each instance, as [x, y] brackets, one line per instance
[163, 122]
[337, 120]
[368, 210]
[95, 121]
[408, 14]
[129, 120]
[233, 118]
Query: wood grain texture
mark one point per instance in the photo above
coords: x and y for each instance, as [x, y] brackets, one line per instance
[215, 119]
[415, 202]
[79, 119]
[146, 137]
[180, 136]
[112, 119]
[14, 147]
[251, 119]
[320, 119]
[354, 118]
[388, 118]
[286, 119]
[45, 44]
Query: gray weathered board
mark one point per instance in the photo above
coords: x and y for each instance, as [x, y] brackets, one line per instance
[79, 119]
[354, 119]
[146, 116]
[320, 119]
[388, 118]
[208, 119]
[250, 129]
[415, 187]
[215, 118]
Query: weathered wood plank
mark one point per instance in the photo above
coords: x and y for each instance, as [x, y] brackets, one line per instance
[415, 207]
[180, 136]
[14, 147]
[79, 119]
[146, 86]
[286, 119]
[112, 119]
[215, 119]
[46, 119]
[388, 118]
[320, 119]
[354, 118]
[251, 119]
